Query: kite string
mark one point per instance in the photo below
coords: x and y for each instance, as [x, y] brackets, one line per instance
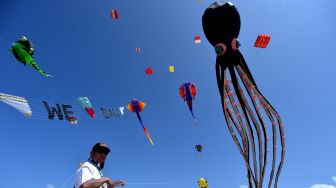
[154, 183]
[66, 181]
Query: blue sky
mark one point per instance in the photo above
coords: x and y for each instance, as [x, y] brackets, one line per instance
[92, 55]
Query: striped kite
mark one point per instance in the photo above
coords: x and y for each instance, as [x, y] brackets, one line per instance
[137, 106]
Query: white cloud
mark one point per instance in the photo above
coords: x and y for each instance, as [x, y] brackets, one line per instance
[243, 186]
[322, 186]
[334, 178]
[50, 186]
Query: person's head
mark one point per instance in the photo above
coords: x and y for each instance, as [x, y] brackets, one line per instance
[99, 152]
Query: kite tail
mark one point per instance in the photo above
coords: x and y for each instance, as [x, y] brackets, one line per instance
[194, 119]
[144, 128]
[44, 74]
[148, 136]
[34, 65]
[191, 111]
[30, 61]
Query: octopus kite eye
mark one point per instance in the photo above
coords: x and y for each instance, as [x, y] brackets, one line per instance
[220, 49]
[235, 44]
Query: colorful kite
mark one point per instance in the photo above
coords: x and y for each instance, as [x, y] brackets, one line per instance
[188, 93]
[262, 41]
[137, 107]
[72, 120]
[86, 105]
[114, 14]
[221, 26]
[23, 52]
[19, 103]
[149, 71]
[202, 183]
[197, 39]
[171, 69]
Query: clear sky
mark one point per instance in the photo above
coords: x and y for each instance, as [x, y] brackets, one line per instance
[92, 55]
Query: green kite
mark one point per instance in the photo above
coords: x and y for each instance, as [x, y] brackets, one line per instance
[23, 51]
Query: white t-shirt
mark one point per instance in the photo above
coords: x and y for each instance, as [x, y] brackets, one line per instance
[87, 172]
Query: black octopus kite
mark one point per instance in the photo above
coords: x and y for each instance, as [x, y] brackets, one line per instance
[221, 25]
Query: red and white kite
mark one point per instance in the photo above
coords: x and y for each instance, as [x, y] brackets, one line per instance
[197, 39]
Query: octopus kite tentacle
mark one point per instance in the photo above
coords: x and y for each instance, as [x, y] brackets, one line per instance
[243, 133]
[241, 128]
[250, 132]
[237, 114]
[243, 107]
[262, 163]
[250, 88]
[269, 109]
[256, 126]
[228, 117]
[221, 72]
[265, 138]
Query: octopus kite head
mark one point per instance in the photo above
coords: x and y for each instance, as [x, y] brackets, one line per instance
[221, 26]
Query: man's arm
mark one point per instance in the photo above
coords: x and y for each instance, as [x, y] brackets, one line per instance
[95, 183]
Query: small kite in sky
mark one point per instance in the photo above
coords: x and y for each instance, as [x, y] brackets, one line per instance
[137, 106]
[171, 69]
[188, 93]
[72, 120]
[202, 183]
[84, 102]
[114, 14]
[199, 148]
[23, 52]
[137, 49]
[262, 41]
[149, 71]
[197, 39]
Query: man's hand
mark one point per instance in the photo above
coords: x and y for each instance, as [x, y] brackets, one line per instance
[112, 184]
[119, 182]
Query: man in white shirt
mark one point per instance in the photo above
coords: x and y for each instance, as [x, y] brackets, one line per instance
[89, 175]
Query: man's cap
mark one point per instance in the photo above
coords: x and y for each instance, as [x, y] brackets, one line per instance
[101, 148]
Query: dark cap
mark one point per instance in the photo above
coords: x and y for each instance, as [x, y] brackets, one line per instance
[101, 148]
